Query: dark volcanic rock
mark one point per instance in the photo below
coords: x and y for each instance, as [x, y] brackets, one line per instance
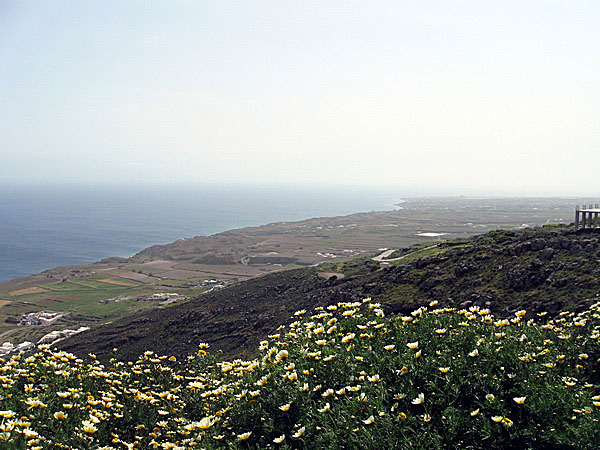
[538, 244]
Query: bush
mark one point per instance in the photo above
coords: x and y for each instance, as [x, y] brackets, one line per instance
[343, 377]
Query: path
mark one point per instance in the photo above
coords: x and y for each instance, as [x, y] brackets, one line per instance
[382, 257]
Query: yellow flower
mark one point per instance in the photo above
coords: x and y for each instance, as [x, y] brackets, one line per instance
[285, 407]
[206, 422]
[280, 439]
[348, 338]
[419, 399]
[507, 422]
[583, 356]
[519, 400]
[326, 408]
[418, 354]
[413, 345]
[497, 419]
[426, 418]
[441, 330]
[7, 414]
[474, 353]
[389, 347]
[299, 433]
[369, 420]
[402, 416]
[89, 427]
[490, 397]
[474, 413]
[60, 415]
[281, 355]
[444, 369]
[244, 436]
[374, 379]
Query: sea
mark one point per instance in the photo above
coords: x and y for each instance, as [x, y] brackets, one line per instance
[47, 226]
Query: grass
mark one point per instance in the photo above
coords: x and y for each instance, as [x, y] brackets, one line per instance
[64, 286]
[421, 253]
[399, 293]
[350, 267]
[414, 248]
[343, 377]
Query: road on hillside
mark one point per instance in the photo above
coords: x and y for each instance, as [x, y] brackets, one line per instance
[382, 257]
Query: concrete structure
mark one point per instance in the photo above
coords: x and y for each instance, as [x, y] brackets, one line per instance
[587, 217]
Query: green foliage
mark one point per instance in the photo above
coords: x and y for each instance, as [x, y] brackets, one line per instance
[343, 377]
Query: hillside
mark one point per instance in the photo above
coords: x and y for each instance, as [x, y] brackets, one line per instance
[540, 269]
[114, 288]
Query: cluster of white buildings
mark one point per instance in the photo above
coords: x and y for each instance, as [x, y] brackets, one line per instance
[39, 318]
[50, 339]
[8, 348]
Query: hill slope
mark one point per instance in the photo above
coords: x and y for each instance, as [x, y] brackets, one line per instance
[549, 268]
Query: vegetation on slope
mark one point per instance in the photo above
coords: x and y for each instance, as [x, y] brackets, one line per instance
[542, 269]
[343, 377]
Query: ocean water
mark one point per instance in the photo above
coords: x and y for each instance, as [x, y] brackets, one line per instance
[47, 226]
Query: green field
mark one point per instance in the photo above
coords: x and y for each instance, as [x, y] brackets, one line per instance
[82, 300]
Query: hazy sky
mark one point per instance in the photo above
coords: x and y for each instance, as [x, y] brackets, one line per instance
[452, 96]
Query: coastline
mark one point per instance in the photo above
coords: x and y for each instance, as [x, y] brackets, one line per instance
[48, 226]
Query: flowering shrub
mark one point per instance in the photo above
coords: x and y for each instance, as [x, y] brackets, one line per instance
[344, 376]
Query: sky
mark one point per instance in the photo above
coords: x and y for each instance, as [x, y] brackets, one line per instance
[460, 97]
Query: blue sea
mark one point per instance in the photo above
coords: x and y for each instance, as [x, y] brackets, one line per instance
[47, 226]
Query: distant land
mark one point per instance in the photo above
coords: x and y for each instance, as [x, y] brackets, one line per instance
[90, 294]
[56, 225]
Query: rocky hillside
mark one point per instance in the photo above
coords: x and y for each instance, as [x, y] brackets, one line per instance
[540, 269]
